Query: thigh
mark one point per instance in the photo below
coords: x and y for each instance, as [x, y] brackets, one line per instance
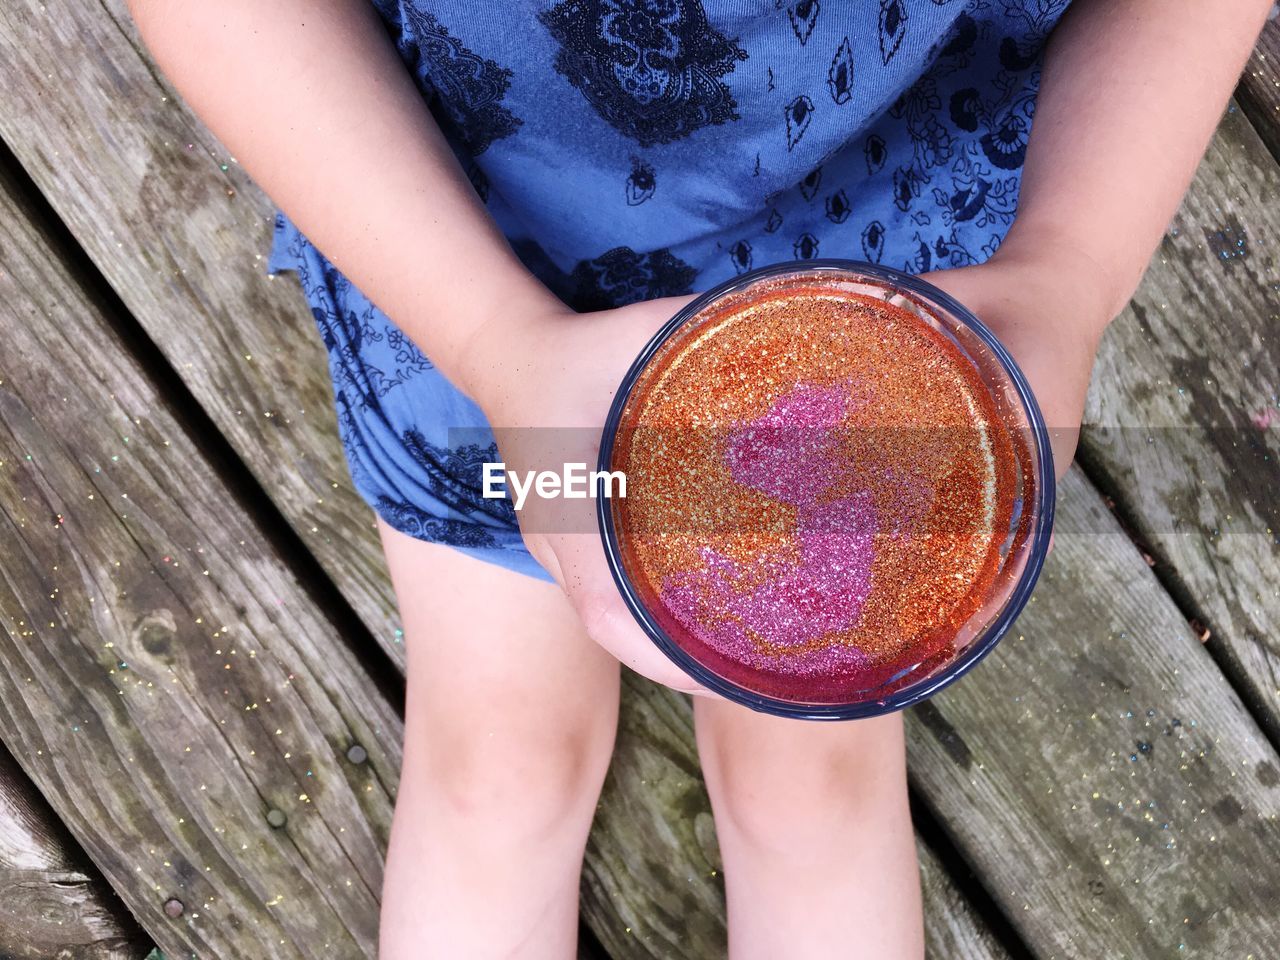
[492, 650]
[509, 725]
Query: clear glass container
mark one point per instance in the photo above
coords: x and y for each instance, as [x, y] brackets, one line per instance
[826, 568]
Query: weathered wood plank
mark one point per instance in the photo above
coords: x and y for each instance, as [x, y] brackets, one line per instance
[1183, 423]
[1099, 772]
[105, 156]
[660, 875]
[182, 234]
[1259, 91]
[163, 678]
[53, 904]
[951, 929]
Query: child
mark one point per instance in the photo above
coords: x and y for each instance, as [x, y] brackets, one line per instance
[483, 171]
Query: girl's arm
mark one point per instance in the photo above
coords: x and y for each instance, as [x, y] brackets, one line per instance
[1132, 90]
[1131, 93]
[312, 98]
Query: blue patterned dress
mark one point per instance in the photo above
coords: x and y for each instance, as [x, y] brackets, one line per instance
[632, 149]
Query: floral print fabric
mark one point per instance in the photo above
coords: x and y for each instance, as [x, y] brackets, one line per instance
[632, 149]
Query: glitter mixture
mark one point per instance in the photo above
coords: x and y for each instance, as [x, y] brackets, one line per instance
[819, 488]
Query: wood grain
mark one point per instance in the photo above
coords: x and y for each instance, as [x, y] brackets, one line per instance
[53, 904]
[1183, 422]
[142, 185]
[1099, 773]
[163, 678]
[951, 929]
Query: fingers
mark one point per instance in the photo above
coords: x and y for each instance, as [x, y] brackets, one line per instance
[610, 624]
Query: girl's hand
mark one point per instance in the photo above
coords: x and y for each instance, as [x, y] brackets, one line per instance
[547, 392]
[1050, 315]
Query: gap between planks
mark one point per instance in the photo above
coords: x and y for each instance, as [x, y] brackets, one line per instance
[230, 468]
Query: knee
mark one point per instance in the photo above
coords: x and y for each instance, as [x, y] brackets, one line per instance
[525, 781]
[793, 796]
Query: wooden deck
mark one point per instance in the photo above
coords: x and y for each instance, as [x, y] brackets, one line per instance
[200, 663]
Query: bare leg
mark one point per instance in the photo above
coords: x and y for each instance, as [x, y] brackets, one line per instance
[510, 719]
[815, 832]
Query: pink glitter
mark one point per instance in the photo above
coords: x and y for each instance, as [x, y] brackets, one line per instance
[790, 454]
